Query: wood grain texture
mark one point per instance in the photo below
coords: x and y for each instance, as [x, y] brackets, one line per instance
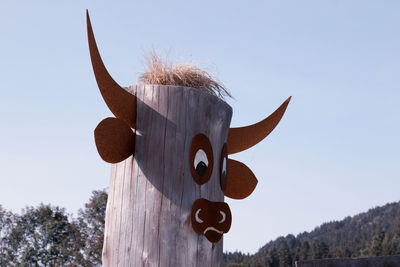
[151, 195]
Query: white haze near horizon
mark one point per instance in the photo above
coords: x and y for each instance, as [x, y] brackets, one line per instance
[334, 154]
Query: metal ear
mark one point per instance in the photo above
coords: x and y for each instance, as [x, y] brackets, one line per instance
[240, 180]
[115, 140]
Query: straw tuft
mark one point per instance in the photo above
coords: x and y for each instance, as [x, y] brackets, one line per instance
[159, 71]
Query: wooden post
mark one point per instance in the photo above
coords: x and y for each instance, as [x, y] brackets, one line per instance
[151, 194]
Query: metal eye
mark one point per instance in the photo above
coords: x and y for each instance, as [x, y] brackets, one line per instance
[200, 162]
[201, 159]
[223, 216]
[223, 173]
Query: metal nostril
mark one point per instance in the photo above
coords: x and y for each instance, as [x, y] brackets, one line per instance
[196, 216]
[223, 217]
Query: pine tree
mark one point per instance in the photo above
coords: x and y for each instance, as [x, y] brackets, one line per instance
[285, 257]
[324, 250]
[274, 258]
[376, 244]
[305, 251]
[316, 249]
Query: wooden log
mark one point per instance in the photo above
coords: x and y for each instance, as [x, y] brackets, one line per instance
[151, 194]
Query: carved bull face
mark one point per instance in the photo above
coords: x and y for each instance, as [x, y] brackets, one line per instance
[115, 142]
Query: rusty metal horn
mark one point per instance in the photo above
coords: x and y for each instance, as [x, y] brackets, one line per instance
[121, 103]
[242, 138]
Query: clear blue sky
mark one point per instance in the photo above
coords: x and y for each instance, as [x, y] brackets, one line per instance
[335, 153]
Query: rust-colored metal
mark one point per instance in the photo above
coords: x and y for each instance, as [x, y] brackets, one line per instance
[242, 138]
[201, 141]
[211, 219]
[121, 103]
[115, 140]
[240, 180]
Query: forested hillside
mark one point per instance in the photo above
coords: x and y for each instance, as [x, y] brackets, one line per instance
[373, 233]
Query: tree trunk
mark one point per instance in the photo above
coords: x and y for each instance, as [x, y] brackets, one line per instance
[151, 194]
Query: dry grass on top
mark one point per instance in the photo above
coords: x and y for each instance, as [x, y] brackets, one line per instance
[182, 74]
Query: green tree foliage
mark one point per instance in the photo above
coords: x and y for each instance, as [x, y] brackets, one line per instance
[6, 242]
[48, 236]
[285, 255]
[305, 251]
[91, 222]
[43, 236]
[376, 245]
